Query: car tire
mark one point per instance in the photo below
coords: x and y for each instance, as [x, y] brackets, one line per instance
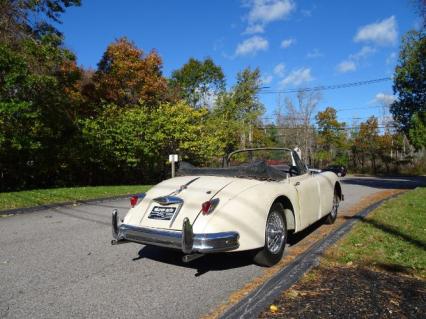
[275, 237]
[331, 217]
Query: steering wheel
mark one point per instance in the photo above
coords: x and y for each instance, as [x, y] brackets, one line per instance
[293, 171]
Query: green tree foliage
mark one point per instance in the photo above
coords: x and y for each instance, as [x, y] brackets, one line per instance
[238, 112]
[39, 103]
[198, 82]
[39, 94]
[417, 132]
[410, 79]
[136, 141]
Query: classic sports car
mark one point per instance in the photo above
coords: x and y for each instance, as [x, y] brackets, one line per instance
[252, 203]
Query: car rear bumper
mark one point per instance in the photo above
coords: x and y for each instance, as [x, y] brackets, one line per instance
[184, 240]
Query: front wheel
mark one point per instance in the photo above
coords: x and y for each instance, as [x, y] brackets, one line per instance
[275, 237]
[331, 217]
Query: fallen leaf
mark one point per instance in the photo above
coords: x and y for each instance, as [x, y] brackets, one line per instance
[273, 308]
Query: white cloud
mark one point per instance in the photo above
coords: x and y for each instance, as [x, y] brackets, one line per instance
[255, 28]
[351, 63]
[251, 46]
[279, 69]
[346, 66]
[363, 53]
[297, 77]
[266, 79]
[287, 42]
[384, 99]
[265, 11]
[382, 33]
[315, 53]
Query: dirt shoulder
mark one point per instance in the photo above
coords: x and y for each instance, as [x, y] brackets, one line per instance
[353, 292]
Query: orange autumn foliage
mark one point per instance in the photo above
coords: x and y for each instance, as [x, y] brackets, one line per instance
[127, 76]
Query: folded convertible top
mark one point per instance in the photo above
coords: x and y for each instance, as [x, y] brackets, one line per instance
[257, 170]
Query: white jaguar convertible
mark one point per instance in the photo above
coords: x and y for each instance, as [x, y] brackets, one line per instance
[251, 203]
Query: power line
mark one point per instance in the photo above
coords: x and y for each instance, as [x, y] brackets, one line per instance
[362, 108]
[303, 118]
[341, 109]
[312, 126]
[329, 87]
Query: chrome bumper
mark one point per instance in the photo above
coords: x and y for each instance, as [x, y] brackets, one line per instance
[184, 240]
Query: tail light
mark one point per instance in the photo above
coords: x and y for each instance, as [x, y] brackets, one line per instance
[209, 206]
[205, 207]
[133, 201]
[135, 198]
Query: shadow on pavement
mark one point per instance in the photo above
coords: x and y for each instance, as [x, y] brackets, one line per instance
[218, 261]
[390, 182]
[209, 262]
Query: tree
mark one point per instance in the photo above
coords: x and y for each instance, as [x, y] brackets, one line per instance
[198, 82]
[331, 136]
[410, 80]
[366, 142]
[38, 112]
[239, 111]
[297, 121]
[417, 132]
[132, 144]
[28, 18]
[126, 75]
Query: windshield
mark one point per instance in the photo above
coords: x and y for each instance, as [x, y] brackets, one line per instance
[272, 157]
[279, 158]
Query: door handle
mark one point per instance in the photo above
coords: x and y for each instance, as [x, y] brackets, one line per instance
[297, 184]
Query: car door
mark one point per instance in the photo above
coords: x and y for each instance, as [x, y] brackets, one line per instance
[326, 192]
[307, 187]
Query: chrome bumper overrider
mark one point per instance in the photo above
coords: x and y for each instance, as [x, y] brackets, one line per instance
[184, 240]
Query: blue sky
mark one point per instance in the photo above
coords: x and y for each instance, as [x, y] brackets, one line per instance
[294, 43]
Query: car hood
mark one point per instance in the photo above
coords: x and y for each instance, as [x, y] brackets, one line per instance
[192, 191]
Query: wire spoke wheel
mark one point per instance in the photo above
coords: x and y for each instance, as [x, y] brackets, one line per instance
[275, 237]
[335, 208]
[331, 217]
[275, 232]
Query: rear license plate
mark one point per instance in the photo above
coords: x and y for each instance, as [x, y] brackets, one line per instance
[163, 213]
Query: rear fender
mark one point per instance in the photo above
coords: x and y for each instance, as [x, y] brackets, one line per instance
[246, 213]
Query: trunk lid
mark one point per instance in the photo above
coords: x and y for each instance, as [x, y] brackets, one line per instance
[191, 190]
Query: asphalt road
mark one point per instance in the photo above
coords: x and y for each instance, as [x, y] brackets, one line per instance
[58, 263]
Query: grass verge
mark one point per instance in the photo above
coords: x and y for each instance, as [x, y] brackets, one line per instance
[393, 237]
[60, 195]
